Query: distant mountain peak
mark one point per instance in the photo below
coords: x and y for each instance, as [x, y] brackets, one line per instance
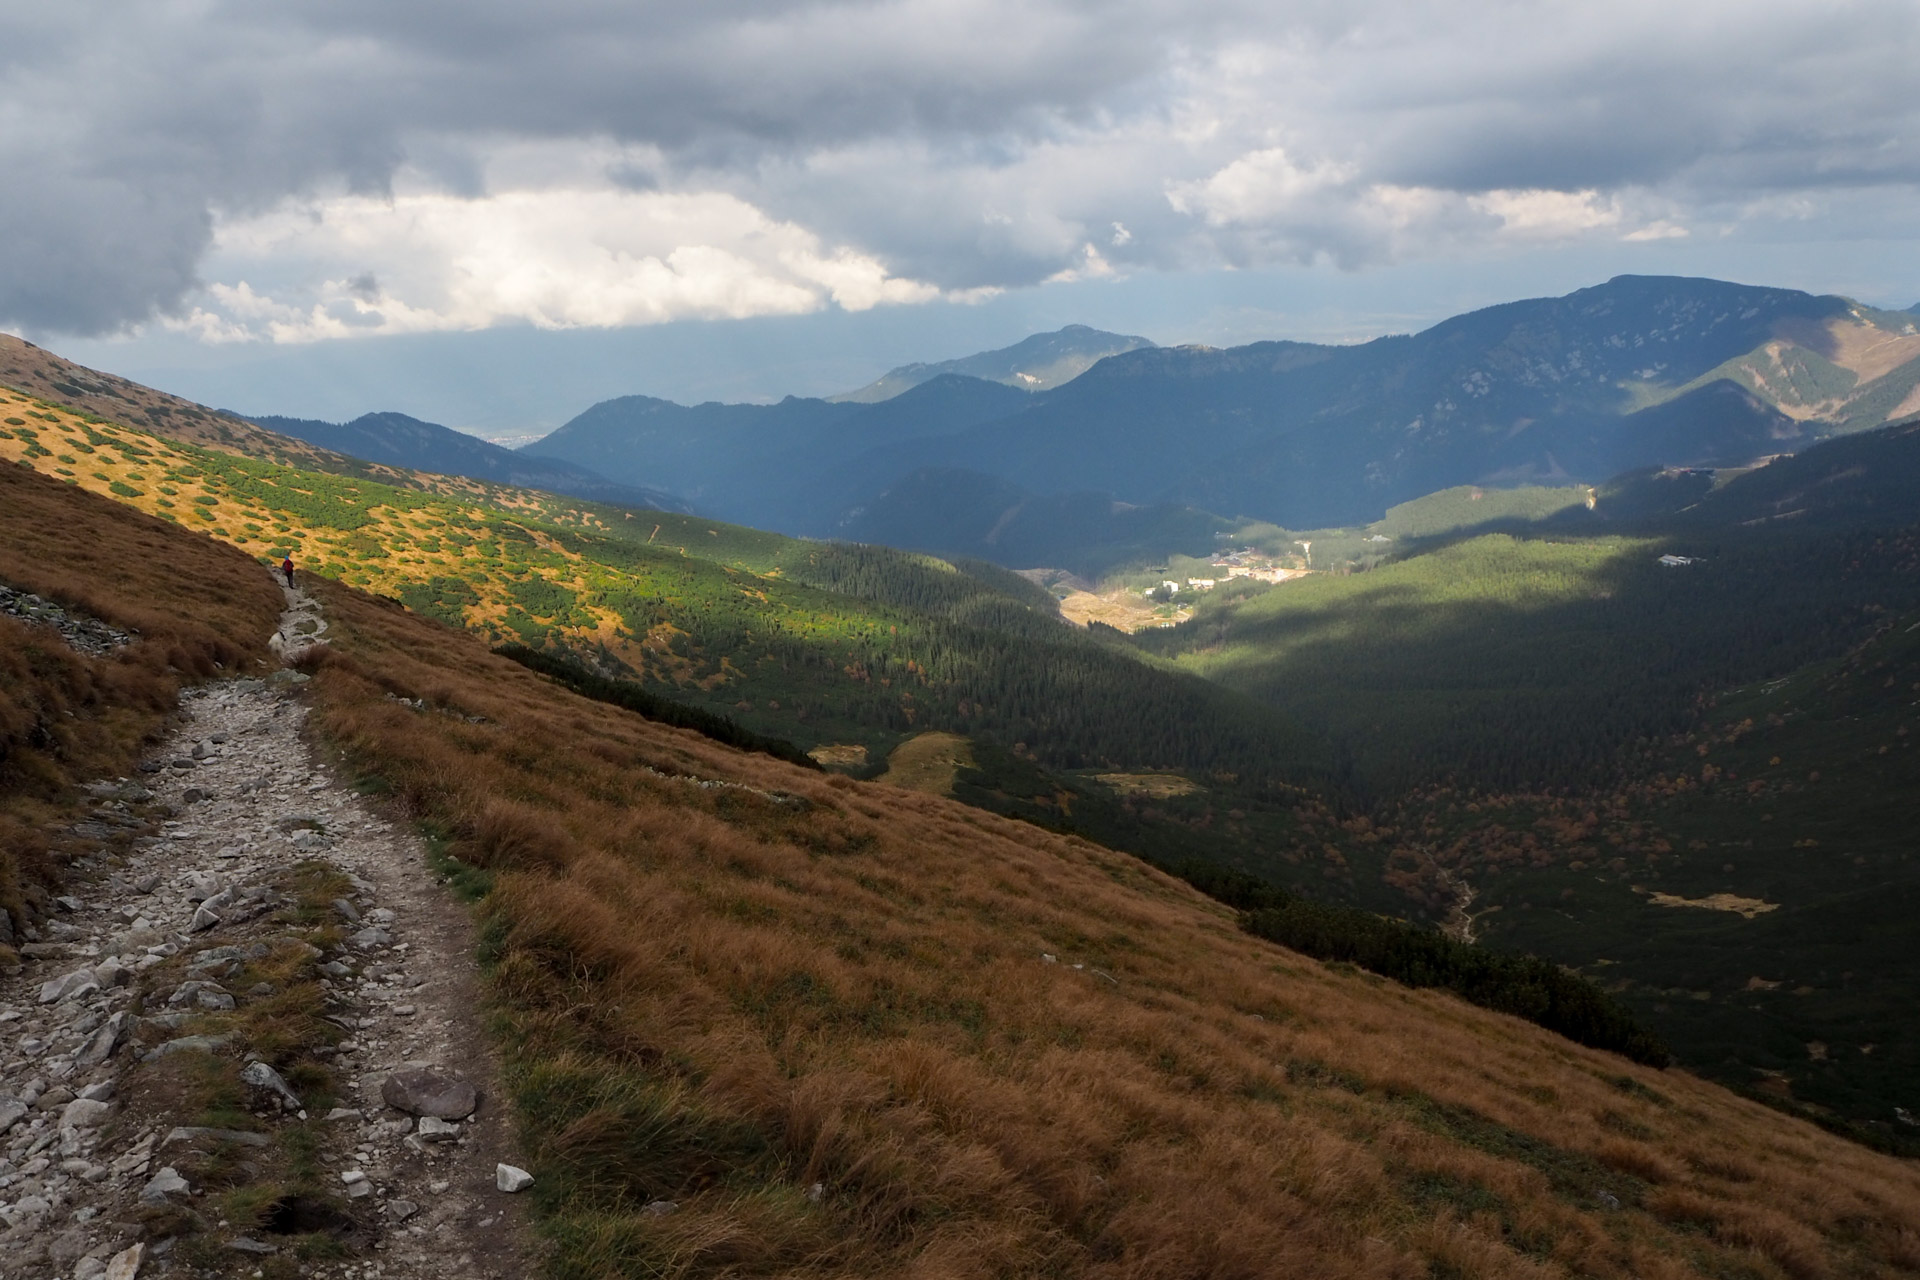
[1038, 362]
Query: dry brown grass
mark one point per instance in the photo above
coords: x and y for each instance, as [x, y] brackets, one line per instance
[722, 997]
[200, 608]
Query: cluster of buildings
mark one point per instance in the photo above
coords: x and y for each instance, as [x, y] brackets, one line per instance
[1245, 563]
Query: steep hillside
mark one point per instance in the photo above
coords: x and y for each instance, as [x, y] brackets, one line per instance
[58, 384]
[1751, 894]
[397, 440]
[845, 1029]
[1039, 362]
[1855, 369]
[1547, 722]
[820, 644]
[47, 377]
[848, 1029]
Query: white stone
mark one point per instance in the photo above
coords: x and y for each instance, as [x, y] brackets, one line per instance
[434, 1129]
[84, 1113]
[167, 1182]
[510, 1179]
[79, 982]
[126, 1263]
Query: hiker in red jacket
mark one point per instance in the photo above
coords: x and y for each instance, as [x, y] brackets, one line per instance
[286, 567]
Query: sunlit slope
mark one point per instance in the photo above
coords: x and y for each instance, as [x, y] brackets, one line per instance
[853, 1030]
[1852, 370]
[52, 382]
[814, 643]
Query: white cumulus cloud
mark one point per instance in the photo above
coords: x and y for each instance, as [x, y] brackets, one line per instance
[556, 258]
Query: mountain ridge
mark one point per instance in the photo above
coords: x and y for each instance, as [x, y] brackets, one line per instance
[400, 440]
[1639, 370]
[1038, 362]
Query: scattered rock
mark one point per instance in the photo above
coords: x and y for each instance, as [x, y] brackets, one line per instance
[126, 1263]
[660, 1208]
[264, 1078]
[84, 1113]
[434, 1129]
[163, 1184]
[426, 1091]
[510, 1179]
[79, 982]
[186, 1044]
[81, 1158]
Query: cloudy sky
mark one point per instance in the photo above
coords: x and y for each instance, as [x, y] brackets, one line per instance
[494, 213]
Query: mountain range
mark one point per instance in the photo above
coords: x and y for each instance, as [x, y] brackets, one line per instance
[1638, 371]
[1079, 448]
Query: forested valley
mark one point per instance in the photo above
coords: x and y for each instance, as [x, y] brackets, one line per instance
[1515, 732]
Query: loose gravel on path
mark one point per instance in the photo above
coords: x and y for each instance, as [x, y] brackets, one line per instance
[185, 887]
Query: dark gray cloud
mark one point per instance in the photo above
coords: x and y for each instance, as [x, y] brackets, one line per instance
[962, 143]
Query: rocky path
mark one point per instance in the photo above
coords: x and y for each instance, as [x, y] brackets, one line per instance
[183, 956]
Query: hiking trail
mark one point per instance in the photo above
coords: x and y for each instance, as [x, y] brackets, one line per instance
[175, 912]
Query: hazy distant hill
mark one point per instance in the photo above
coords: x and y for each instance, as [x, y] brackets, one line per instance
[402, 441]
[1639, 371]
[1036, 363]
[795, 466]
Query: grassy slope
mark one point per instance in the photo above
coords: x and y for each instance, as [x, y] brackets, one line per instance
[792, 638]
[1478, 676]
[725, 997]
[721, 996]
[198, 607]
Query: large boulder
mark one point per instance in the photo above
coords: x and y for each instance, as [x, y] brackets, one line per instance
[428, 1091]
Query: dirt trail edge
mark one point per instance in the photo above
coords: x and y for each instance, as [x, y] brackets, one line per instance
[183, 957]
